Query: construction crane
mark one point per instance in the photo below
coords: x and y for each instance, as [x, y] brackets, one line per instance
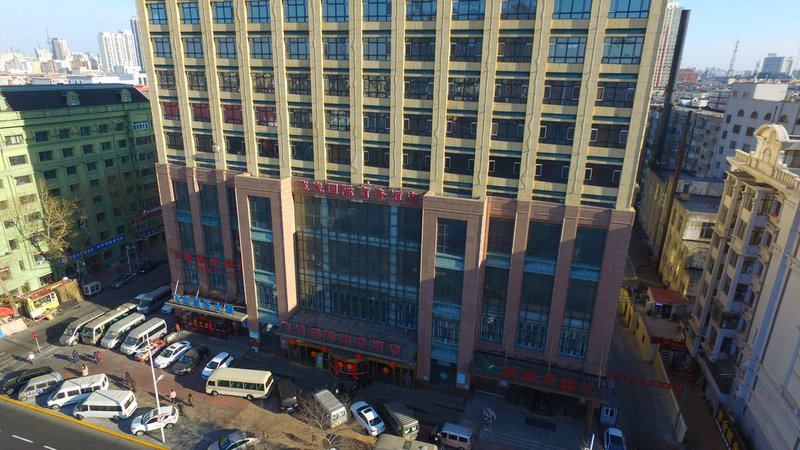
[733, 59]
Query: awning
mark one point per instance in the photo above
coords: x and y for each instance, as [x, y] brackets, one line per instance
[235, 316]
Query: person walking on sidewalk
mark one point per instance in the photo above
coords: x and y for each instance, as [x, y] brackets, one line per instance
[31, 357]
[75, 356]
[84, 371]
[189, 400]
[97, 357]
[172, 396]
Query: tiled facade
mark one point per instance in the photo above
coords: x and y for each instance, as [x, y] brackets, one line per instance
[412, 156]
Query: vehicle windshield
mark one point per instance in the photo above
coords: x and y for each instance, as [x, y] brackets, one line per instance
[113, 334]
[131, 340]
[149, 415]
[615, 440]
[213, 364]
[375, 420]
[144, 302]
[69, 331]
[87, 332]
[167, 353]
[186, 359]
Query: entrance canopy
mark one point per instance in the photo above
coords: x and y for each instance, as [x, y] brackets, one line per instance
[224, 313]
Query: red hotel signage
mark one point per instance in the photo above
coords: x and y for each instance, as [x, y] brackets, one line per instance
[363, 192]
[343, 339]
[645, 381]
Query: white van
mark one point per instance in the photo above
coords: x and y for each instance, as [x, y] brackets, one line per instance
[154, 328]
[116, 332]
[147, 303]
[111, 404]
[457, 436]
[76, 389]
[71, 334]
[91, 288]
[240, 382]
[333, 410]
[40, 385]
[93, 331]
[389, 442]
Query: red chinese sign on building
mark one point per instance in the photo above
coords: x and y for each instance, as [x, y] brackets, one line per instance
[364, 192]
[343, 339]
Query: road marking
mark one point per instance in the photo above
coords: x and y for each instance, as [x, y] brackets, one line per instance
[49, 448]
[22, 439]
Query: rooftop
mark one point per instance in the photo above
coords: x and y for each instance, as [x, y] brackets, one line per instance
[661, 328]
[666, 296]
[35, 97]
[700, 203]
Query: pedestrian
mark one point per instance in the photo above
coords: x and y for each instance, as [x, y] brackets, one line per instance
[189, 400]
[31, 357]
[179, 405]
[128, 377]
[84, 371]
[97, 357]
[75, 356]
[177, 327]
[133, 385]
[172, 396]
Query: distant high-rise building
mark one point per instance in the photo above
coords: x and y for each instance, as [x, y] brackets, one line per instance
[117, 49]
[59, 48]
[137, 40]
[774, 66]
[666, 45]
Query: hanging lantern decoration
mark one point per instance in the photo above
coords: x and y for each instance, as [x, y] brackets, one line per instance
[292, 341]
[385, 370]
[340, 364]
[392, 364]
[359, 356]
[324, 349]
[313, 354]
[349, 366]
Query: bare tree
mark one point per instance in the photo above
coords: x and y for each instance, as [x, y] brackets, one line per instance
[342, 437]
[60, 218]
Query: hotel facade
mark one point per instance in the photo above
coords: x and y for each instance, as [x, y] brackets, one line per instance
[431, 192]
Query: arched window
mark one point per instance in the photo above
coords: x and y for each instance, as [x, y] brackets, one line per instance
[768, 117]
[754, 115]
[783, 119]
[740, 113]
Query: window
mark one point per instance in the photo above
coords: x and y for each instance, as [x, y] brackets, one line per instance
[740, 113]
[421, 48]
[562, 92]
[158, 13]
[508, 130]
[174, 140]
[203, 143]
[295, 10]
[338, 85]
[161, 47]
[88, 149]
[299, 83]
[420, 10]
[190, 15]
[41, 136]
[263, 83]
[375, 122]
[419, 87]
[336, 49]
[13, 140]
[91, 167]
[377, 10]
[105, 145]
[572, 9]
[109, 162]
[226, 47]
[609, 136]
[462, 127]
[266, 116]
[377, 48]
[707, 230]
[49, 175]
[736, 129]
[451, 237]
[200, 112]
[302, 150]
[749, 131]
[102, 128]
[192, 47]
[337, 119]
[514, 49]
[63, 133]
[464, 89]
[300, 117]
[376, 86]
[417, 124]
[511, 90]
[67, 152]
[234, 145]
[560, 133]
[232, 114]
[623, 50]
[568, 50]
[197, 80]
[170, 111]
[17, 160]
[754, 115]
[615, 94]
[258, 11]
[335, 10]
[297, 48]
[222, 12]
[518, 10]
[629, 9]
[468, 9]
[122, 143]
[84, 131]
[466, 49]
[46, 156]
[229, 81]
[166, 79]
[376, 157]
[338, 154]
[268, 148]
[24, 179]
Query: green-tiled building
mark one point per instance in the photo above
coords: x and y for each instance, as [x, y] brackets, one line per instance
[90, 143]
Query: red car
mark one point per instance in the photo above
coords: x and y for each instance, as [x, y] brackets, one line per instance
[155, 346]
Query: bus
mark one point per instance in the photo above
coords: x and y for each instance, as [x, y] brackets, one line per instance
[93, 331]
[240, 382]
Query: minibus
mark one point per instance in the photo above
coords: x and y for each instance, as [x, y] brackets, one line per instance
[76, 389]
[40, 385]
[153, 329]
[70, 335]
[240, 382]
[400, 420]
[153, 300]
[110, 404]
[116, 332]
[93, 331]
[334, 411]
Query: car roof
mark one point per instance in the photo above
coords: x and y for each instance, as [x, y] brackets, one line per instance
[614, 431]
[220, 356]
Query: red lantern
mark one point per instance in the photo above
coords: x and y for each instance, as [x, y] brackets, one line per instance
[292, 341]
[324, 349]
[313, 354]
[349, 366]
[392, 364]
[385, 370]
[359, 356]
[340, 364]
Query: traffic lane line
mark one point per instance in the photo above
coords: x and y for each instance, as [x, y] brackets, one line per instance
[49, 448]
[22, 439]
[76, 421]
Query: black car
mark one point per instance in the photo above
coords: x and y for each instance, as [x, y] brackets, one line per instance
[16, 382]
[148, 266]
[190, 360]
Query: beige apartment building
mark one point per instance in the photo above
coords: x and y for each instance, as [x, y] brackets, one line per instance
[426, 191]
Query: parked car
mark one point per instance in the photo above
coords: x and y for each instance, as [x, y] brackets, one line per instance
[223, 359]
[124, 279]
[368, 418]
[613, 439]
[167, 309]
[143, 352]
[171, 354]
[148, 266]
[18, 381]
[235, 440]
[149, 420]
[190, 360]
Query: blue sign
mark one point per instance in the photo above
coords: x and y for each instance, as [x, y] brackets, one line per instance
[96, 248]
[204, 303]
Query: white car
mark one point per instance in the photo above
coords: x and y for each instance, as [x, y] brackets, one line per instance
[172, 354]
[149, 421]
[223, 359]
[368, 418]
[235, 440]
[613, 439]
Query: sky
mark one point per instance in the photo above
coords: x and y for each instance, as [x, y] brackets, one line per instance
[763, 26]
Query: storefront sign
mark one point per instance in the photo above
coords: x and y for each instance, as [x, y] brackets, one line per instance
[547, 379]
[645, 381]
[96, 248]
[363, 192]
[730, 435]
[343, 339]
[206, 264]
[204, 303]
[149, 211]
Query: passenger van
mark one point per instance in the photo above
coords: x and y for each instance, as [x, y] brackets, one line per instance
[116, 332]
[93, 331]
[457, 436]
[389, 442]
[76, 389]
[400, 420]
[154, 328]
[334, 411]
[40, 385]
[111, 404]
[240, 382]
[153, 300]
[70, 335]
[288, 395]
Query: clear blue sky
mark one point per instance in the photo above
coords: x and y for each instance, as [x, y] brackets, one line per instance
[763, 26]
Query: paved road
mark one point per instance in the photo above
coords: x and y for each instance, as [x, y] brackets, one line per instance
[24, 428]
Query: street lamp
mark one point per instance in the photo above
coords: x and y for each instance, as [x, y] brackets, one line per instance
[155, 384]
